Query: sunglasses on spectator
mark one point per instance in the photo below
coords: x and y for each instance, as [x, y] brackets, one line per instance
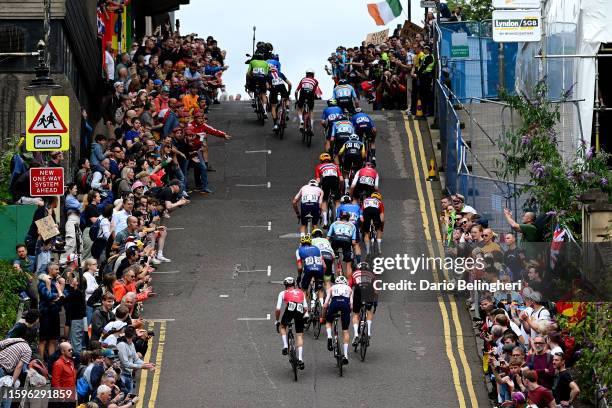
[485, 235]
[516, 354]
[539, 342]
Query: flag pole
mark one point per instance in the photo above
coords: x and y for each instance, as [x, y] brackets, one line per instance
[409, 12]
[254, 28]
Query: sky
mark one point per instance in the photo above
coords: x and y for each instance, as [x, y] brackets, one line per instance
[303, 33]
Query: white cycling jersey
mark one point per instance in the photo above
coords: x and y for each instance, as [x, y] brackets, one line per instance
[323, 245]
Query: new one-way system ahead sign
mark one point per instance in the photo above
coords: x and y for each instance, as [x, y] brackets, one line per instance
[48, 124]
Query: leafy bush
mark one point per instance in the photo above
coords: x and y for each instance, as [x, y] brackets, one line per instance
[5, 171]
[11, 281]
[473, 10]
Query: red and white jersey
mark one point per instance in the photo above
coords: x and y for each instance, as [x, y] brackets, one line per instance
[371, 202]
[294, 295]
[366, 176]
[361, 277]
[309, 194]
[327, 170]
[309, 85]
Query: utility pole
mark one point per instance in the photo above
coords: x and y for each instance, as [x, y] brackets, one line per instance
[409, 11]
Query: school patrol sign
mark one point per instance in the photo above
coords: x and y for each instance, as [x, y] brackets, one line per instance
[517, 25]
[48, 125]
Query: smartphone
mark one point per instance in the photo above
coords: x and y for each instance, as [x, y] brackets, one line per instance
[130, 395]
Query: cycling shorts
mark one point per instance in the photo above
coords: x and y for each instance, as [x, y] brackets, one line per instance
[339, 140]
[297, 317]
[363, 190]
[258, 83]
[330, 185]
[308, 274]
[312, 209]
[352, 161]
[340, 304]
[277, 90]
[366, 132]
[346, 103]
[363, 292]
[345, 245]
[371, 214]
[329, 266]
[306, 97]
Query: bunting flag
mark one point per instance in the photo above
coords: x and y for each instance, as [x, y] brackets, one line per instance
[385, 11]
[574, 311]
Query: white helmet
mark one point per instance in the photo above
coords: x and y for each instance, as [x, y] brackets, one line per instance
[310, 71]
[289, 281]
[313, 183]
[354, 137]
[341, 280]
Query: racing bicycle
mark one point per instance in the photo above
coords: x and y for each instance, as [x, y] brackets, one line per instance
[259, 109]
[315, 311]
[307, 130]
[281, 115]
[292, 350]
[309, 224]
[331, 209]
[364, 340]
[336, 343]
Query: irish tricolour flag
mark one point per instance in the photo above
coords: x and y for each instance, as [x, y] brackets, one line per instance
[385, 11]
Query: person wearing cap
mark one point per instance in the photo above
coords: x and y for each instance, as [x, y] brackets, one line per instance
[535, 318]
[161, 101]
[111, 332]
[460, 206]
[55, 159]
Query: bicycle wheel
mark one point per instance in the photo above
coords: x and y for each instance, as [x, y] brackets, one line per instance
[363, 340]
[281, 125]
[316, 322]
[292, 353]
[338, 350]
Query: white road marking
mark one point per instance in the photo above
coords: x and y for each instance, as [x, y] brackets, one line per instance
[269, 270]
[255, 318]
[258, 151]
[160, 320]
[257, 226]
[252, 270]
[290, 235]
[267, 185]
[269, 225]
[166, 272]
[276, 282]
[175, 229]
[223, 296]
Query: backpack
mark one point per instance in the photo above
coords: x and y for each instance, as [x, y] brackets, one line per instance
[94, 230]
[83, 385]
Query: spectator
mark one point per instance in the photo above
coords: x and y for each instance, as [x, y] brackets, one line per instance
[527, 229]
[121, 216]
[535, 317]
[460, 206]
[130, 360]
[102, 315]
[541, 361]
[51, 295]
[15, 353]
[128, 284]
[538, 395]
[75, 307]
[565, 390]
[64, 373]
[25, 328]
[109, 61]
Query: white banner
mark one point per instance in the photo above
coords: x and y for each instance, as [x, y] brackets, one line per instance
[517, 25]
[516, 4]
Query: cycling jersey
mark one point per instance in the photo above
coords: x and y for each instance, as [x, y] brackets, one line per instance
[296, 307]
[326, 170]
[338, 299]
[362, 283]
[258, 68]
[371, 202]
[310, 203]
[309, 194]
[291, 295]
[341, 131]
[353, 153]
[331, 114]
[359, 277]
[342, 231]
[324, 246]
[277, 81]
[367, 176]
[309, 256]
[308, 85]
[276, 78]
[344, 93]
[354, 211]
[362, 123]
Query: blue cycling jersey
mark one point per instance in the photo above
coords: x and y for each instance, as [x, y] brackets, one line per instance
[342, 230]
[275, 63]
[353, 209]
[332, 114]
[343, 92]
[310, 256]
[362, 121]
[342, 127]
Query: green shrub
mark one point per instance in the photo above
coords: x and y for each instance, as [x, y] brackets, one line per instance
[11, 281]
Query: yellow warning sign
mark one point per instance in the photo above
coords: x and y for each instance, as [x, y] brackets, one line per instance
[48, 125]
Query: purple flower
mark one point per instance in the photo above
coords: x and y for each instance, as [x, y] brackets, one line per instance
[589, 153]
[551, 213]
[603, 181]
[525, 140]
[538, 169]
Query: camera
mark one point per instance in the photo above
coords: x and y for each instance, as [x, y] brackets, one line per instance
[150, 333]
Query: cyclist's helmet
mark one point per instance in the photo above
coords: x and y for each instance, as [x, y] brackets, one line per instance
[353, 137]
[324, 157]
[306, 239]
[344, 215]
[363, 266]
[346, 199]
[376, 194]
[289, 281]
[310, 72]
[275, 57]
[258, 56]
[342, 82]
[269, 47]
[370, 164]
[341, 280]
[313, 183]
[357, 110]
[332, 102]
[317, 233]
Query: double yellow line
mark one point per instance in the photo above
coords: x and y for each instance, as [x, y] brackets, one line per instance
[427, 228]
[142, 388]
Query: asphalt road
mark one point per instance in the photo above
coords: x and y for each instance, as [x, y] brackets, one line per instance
[212, 357]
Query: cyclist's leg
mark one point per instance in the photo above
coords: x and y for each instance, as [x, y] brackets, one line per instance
[372, 136]
[356, 310]
[273, 102]
[298, 318]
[346, 319]
[347, 257]
[285, 319]
[300, 108]
[329, 318]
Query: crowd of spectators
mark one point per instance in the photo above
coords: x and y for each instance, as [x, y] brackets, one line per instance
[526, 354]
[395, 74]
[89, 279]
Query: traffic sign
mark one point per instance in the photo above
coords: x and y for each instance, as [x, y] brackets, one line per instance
[48, 125]
[428, 3]
[516, 4]
[517, 25]
[46, 181]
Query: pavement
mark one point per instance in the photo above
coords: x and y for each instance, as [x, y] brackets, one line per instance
[215, 343]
